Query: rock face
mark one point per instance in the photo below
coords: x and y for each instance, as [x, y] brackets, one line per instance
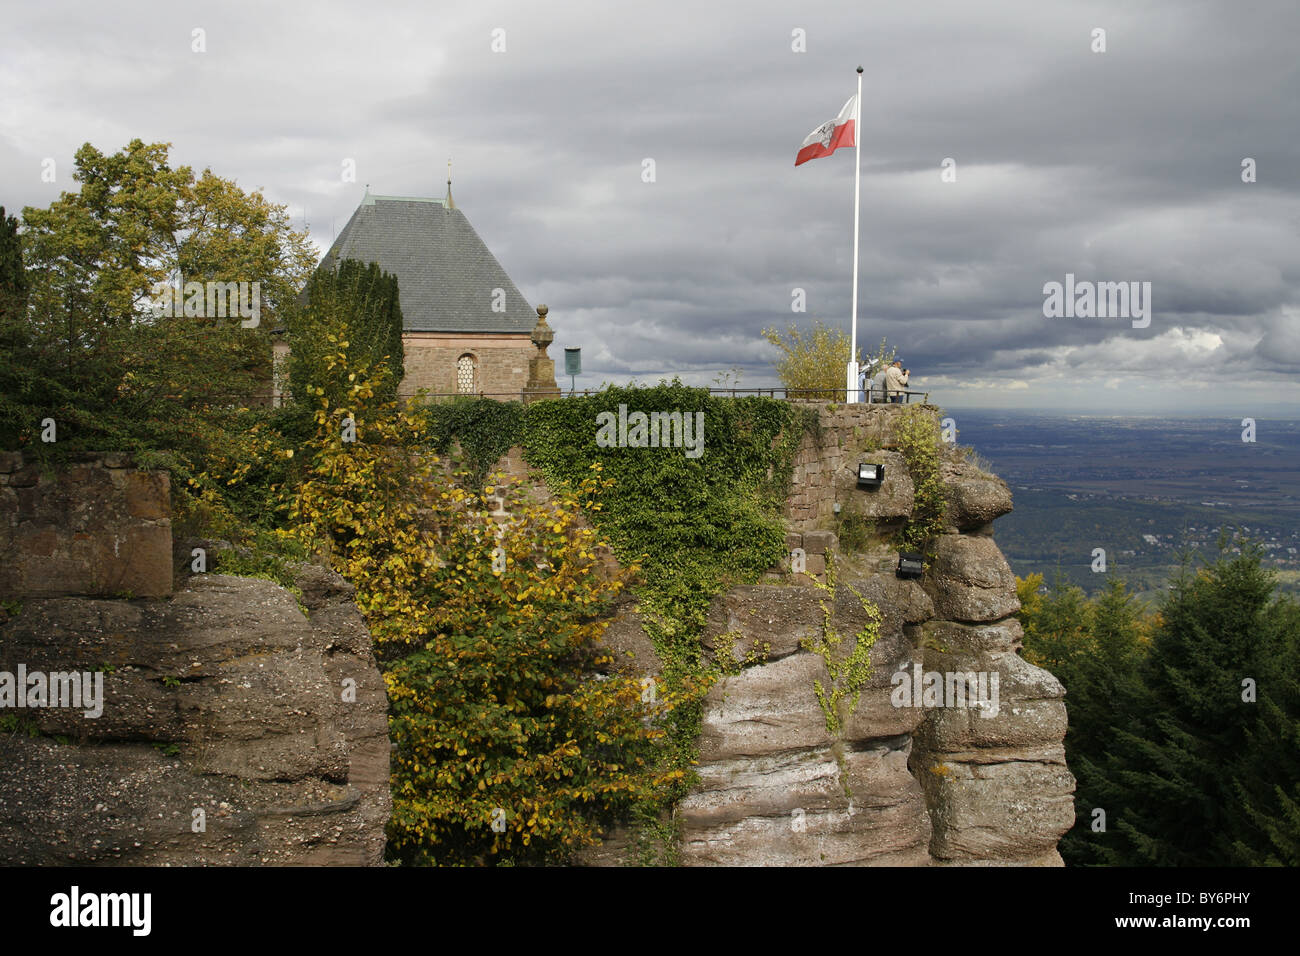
[970, 580]
[235, 729]
[974, 497]
[240, 727]
[953, 754]
[777, 786]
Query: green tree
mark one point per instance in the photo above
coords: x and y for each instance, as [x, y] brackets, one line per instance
[98, 359]
[17, 353]
[95, 257]
[13, 279]
[1269, 782]
[1103, 687]
[1162, 735]
[1195, 750]
[358, 304]
[812, 362]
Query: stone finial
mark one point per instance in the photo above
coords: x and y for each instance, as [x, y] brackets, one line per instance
[542, 334]
[541, 368]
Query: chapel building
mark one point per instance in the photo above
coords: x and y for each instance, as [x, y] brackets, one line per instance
[468, 330]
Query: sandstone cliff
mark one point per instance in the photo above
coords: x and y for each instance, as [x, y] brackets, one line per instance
[237, 726]
[894, 785]
[228, 701]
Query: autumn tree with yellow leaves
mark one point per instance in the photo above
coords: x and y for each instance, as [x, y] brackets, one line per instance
[510, 745]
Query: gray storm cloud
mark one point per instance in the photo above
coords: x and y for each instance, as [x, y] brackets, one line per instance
[1115, 166]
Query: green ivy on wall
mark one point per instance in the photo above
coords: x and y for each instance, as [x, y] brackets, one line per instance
[696, 524]
[849, 672]
[483, 428]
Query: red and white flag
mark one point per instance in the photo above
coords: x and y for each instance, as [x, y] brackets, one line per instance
[832, 134]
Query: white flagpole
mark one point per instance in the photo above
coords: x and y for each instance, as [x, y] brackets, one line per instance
[853, 392]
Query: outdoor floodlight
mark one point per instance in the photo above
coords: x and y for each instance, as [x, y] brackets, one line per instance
[911, 564]
[870, 475]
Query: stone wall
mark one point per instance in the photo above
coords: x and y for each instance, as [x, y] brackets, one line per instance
[825, 470]
[97, 525]
[431, 358]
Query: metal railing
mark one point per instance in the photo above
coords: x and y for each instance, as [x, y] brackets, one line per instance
[788, 394]
[813, 394]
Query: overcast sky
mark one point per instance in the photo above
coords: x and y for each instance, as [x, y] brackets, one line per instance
[1117, 166]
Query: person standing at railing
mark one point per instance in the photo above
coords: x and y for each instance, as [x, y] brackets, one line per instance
[896, 378]
[878, 387]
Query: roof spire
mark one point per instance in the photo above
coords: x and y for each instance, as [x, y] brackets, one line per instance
[449, 203]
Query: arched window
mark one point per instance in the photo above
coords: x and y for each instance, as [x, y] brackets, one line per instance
[466, 379]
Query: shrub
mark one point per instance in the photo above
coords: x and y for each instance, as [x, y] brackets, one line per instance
[917, 434]
[507, 747]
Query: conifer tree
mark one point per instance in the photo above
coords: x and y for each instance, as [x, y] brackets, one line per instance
[1104, 690]
[16, 365]
[358, 304]
[1177, 774]
[1268, 781]
[1095, 647]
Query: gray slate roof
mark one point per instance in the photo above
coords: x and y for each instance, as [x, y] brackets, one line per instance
[445, 274]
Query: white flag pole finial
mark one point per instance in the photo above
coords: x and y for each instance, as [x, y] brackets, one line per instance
[852, 376]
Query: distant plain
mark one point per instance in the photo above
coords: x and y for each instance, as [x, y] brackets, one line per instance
[1143, 489]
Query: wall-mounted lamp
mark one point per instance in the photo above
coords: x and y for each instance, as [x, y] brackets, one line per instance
[911, 564]
[870, 475]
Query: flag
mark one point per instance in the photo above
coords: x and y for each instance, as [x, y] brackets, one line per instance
[832, 134]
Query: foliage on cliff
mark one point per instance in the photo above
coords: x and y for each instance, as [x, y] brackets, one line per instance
[508, 748]
[916, 430]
